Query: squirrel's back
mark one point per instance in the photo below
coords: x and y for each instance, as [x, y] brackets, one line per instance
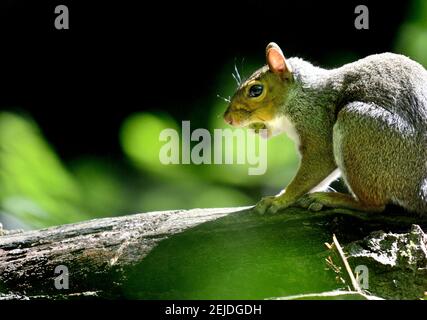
[392, 81]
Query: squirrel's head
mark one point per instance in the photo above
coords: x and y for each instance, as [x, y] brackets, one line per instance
[257, 101]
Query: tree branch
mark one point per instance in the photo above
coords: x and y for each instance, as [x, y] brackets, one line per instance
[91, 250]
[101, 254]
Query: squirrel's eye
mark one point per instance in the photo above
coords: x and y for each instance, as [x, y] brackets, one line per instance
[255, 90]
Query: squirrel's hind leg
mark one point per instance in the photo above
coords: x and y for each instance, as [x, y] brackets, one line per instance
[317, 200]
[371, 148]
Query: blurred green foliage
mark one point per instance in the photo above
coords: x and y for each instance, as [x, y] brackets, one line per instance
[412, 36]
[35, 187]
[38, 189]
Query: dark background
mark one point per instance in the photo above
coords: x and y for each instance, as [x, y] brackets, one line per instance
[120, 57]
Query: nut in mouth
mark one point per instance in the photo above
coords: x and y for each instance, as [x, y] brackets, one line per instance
[257, 126]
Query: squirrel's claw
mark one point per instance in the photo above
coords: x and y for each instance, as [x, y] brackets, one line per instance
[264, 204]
[310, 201]
[270, 205]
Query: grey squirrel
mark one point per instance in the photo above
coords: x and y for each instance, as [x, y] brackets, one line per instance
[366, 120]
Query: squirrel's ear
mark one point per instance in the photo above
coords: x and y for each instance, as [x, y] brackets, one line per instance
[276, 60]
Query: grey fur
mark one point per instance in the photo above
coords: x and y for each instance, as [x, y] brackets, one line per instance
[369, 118]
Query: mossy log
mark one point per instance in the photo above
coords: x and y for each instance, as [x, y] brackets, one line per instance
[110, 257]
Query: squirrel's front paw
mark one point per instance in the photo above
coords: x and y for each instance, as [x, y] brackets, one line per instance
[271, 205]
[311, 201]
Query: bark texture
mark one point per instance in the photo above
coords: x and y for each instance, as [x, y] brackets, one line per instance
[91, 250]
[101, 254]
